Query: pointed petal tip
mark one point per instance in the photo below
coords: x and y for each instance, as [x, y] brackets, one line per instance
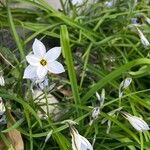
[53, 54]
[38, 47]
[56, 67]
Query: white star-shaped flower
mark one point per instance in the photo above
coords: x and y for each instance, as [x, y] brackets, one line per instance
[40, 62]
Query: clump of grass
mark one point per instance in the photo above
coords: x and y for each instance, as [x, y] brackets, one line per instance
[100, 48]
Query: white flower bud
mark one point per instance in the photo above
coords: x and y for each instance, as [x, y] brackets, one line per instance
[79, 142]
[2, 107]
[138, 123]
[48, 136]
[2, 81]
[108, 126]
[98, 96]
[101, 97]
[144, 40]
[124, 84]
[96, 112]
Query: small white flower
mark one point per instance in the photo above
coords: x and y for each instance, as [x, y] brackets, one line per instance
[124, 85]
[41, 61]
[2, 81]
[144, 40]
[138, 123]
[95, 114]
[2, 107]
[79, 142]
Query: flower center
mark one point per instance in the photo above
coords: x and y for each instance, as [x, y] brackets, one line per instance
[43, 62]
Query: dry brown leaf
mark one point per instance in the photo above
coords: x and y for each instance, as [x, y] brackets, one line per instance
[2, 145]
[15, 138]
[65, 92]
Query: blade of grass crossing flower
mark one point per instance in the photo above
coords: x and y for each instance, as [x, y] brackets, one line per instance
[69, 61]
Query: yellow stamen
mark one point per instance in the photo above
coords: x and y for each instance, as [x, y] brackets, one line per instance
[43, 62]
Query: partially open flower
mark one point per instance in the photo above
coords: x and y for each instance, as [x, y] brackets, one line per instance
[78, 141]
[138, 123]
[41, 61]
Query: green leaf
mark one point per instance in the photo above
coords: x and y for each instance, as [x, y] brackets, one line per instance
[70, 65]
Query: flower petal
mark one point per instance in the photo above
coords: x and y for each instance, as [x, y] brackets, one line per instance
[55, 67]
[33, 60]
[53, 54]
[85, 144]
[38, 48]
[30, 72]
[138, 123]
[41, 72]
[76, 141]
